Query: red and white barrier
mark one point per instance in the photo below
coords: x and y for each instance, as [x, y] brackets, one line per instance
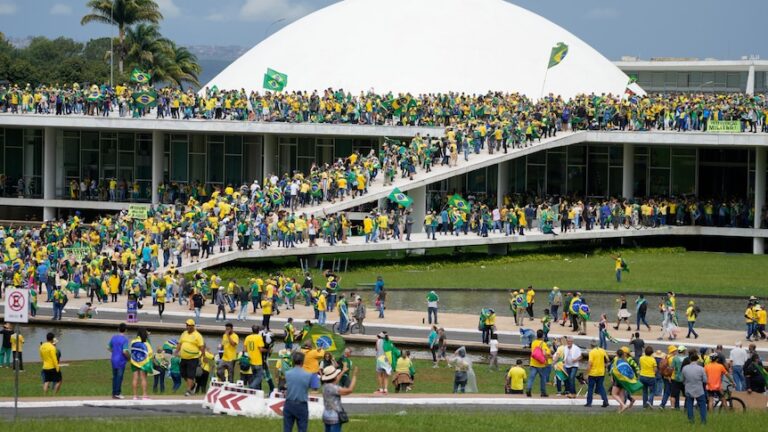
[238, 400]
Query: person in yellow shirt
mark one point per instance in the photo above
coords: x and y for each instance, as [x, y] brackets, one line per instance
[160, 294]
[515, 379]
[254, 347]
[312, 357]
[648, 368]
[761, 315]
[201, 382]
[17, 347]
[190, 348]
[691, 313]
[51, 368]
[596, 373]
[229, 342]
[541, 364]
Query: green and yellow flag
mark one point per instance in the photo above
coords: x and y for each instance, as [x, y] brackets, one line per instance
[93, 96]
[140, 77]
[458, 202]
[400, 198]
[558, 54]
[147, 98]
[321, 337]
[274, 80]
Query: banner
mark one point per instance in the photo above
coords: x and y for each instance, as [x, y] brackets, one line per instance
[724, 126]
[137, 211]
[77, 252]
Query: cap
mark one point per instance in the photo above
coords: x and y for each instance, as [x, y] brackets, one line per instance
[625, 349]
[190, 322]
[681, 348]
[555, 288]
[671, 349]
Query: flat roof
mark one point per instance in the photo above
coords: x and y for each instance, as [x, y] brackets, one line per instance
[213, 126]
[692, 65]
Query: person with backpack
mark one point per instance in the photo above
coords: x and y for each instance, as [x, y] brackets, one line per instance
[692, 313]
[641, 309]
[541, 364]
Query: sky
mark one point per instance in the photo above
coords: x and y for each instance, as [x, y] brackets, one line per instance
[651, 28]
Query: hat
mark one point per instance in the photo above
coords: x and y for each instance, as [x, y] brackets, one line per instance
[658, 354]
[681, 348]
[625, 349]
[752, 298]
[671, 349]
[381, 335]
[330, 373]
[690, 303]
[555, 288]
[190, 322]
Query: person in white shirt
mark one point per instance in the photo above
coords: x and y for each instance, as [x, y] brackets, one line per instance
[493, 361]
[571, 357]
[736, 359]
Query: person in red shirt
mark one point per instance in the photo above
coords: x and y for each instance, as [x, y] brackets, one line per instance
[715, 371]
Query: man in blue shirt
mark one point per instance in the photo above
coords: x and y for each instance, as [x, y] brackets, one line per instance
[297, 383]
[117, 346]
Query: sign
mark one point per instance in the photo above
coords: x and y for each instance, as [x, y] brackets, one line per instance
[137, 211]
[17, 305]
[78, 252]
[724, 126]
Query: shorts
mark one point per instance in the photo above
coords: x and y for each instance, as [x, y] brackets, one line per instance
[194, 252]
[51, 375]
[188, 368]
[714, 393]
[675, 389]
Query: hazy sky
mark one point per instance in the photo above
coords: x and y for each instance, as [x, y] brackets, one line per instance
[651, 28]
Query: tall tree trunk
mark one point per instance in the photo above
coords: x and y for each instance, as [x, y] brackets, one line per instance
[121, 49]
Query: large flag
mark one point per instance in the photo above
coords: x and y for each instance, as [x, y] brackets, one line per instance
[276, 196]
[141, 355]
[93, 96]
[147, 98]
[625, 376]
[558, 54]
[274, 80]
[458, 202]
[140, 77]
[321, 337]
[400, 198]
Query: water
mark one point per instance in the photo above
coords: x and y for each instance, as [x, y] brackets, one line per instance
[715, 312]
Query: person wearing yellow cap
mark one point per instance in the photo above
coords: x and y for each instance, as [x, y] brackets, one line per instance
[191, 348]
[692, 313]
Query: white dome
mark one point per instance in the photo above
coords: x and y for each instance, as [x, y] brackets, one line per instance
[425, 46]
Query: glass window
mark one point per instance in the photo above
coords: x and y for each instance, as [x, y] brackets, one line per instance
[307, 147]
[89, 141]
[71, 154]
[89, 164]
[577, 155]
[556, 174]
[641, 176]
[324, 154]
[683, 175]
[126, 165]
[536, 179]
[519, 175]
[179, 161]
[143, 159]
[197, 168]
[597, 183]
[108, 155]
[660, 157]
[125, 142]
[658, 80]
[215, 162]
[659, 181]
[234, 145]
[721, 78]
[682, 151]
[615, 181]
[616, 154]
[342, 147]
[682, 79]
[538, 158]
[577, 176]
[14, 169]
[287, 153]
[233, 169]
[476, 181]
[197, 144]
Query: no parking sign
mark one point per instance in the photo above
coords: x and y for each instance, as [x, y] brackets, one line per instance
[17, 306]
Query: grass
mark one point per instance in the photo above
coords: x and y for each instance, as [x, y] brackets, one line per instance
[416, 420]
[93, 378]
[654, 270]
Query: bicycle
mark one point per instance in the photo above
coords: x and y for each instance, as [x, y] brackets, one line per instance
[352, 328]
[726, 402]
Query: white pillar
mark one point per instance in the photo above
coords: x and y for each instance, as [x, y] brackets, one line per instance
[628, 182]
[751, 81]
[758, 246]
[49, 171]
[502, 183]
[270, 155]
[158, 143]
[419, 207]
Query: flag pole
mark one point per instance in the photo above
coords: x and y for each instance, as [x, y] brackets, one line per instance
[544, 84]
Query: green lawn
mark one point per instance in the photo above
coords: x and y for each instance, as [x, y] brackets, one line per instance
[651, 271]
[419, 420]
[93, 378]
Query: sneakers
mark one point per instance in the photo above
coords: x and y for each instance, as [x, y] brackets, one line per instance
[187, 393]
[528, 394]
[118, 397]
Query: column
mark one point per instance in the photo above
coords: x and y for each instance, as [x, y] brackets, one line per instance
[628, 183]
[270, 154]
[502, 183]
[419, 207]
[158, 144]
[49, 171]
[758, 244]
[751, 81]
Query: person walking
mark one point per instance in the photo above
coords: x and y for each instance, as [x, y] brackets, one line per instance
[571, 359]
[641, 309]
[540, 362]
[596, 374]
[692, 313]
[229, 342]
[51, 368]
[433, 345]
[298, 382]
[432, 301]
[736, 360]
[694, 380]
[117, 346]
[648, 369]
[255, 348]
[160, 295]
[334, 415]
[191, 348]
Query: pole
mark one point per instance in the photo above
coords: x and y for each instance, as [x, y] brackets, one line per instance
[16, 376]
[544, 84]
[111, 46]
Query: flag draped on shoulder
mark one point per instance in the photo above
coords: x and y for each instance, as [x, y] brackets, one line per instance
[321, 337]
[140, 77]
[400, 198]
[141, 355]
[274, 80]
[625, 376]
[558, 54]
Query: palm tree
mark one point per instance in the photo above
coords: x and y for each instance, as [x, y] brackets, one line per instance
[122, 13]
[185, 66]
[146, 48]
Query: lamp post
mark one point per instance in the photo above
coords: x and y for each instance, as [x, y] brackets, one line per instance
[112, 46]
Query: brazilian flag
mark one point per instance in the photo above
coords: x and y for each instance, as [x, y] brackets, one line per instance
[141, 355]
[458, 202]
[274, 80]
[93, 96]
[623, 373]
[276, 196]
[322, 338]
[400, 198]
[584, 311]
[558, 54]
[145, 99]
[315, 190]
[140, 77]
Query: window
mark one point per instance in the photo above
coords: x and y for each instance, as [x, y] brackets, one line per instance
[179, 158]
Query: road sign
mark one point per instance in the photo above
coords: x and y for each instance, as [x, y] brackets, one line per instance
[17, 306]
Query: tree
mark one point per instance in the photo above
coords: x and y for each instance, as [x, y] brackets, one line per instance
[123, 14]
[183, 66]
[146, 47]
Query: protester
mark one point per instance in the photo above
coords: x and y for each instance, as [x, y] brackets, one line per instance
[229, 343]
[141, 355]
[596, 373]
[191, 350]
[51, 368]
[694, 381]
[515, 379]
[119, 357]
[298, 382]
[334, 415]
[540, 362]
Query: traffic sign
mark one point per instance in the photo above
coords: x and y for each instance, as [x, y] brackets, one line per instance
[17, 305]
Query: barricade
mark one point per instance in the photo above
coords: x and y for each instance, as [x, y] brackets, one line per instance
[238, 400]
